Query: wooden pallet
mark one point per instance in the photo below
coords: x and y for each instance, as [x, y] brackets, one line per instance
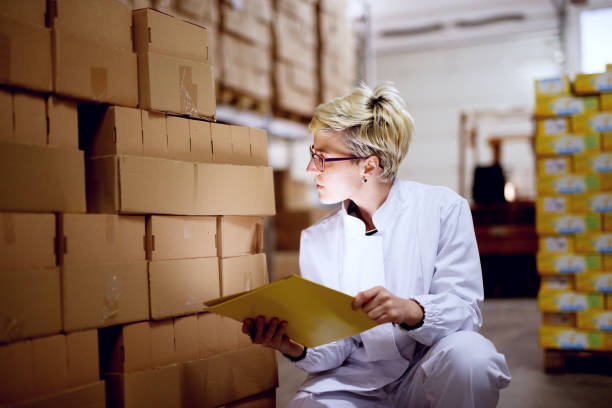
[294, 116]
[242, 100]
[562, 361]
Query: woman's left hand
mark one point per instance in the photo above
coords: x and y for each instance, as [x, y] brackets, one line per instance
[383, 307]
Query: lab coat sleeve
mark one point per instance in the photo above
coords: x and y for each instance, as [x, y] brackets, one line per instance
[456, 291]
[327, 356]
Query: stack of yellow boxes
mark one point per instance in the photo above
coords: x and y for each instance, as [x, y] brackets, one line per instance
[295, 51]
[574, 211]
[337, 50]
[123, 209]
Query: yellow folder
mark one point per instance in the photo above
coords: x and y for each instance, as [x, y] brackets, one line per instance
[315, 313]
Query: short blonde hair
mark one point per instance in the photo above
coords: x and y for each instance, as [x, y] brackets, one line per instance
[375, 121]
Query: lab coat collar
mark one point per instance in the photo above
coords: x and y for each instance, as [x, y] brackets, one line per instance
[383, 218]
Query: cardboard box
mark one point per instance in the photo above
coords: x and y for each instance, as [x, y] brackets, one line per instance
[49, 179]
[86, 70]
[30, 304]
[82, 357]
[554, 166]
[285, 264]
[567, 263]
[126, 348]
[201, 141]
[180, 287]
[162, 343]
[239, 145]
[218, 334]
[245, 25]
[103, 295]
[605, 101]
[191, 10]
[179, 143]
[242, 273]
[593, 83]
[181, 237]
[551, 204]
[594, 282]
[561, 224]
[16, 371]
[593, 163]
[597, 122]
[105, 22]
[239, 235]
[552, 127]
[595, 202]
[573, 183]
[559, 319]
[62, 117]
[30, 119]
[49, 370]
[100, 238]
[186, 338]
[565, 106]
[594, 320]
[118, 131]
[568, 144]
[573, 339]
[163, 34]
[554, 86]
[154, 138]
[175, 85]
[594, 242]
[31, 12]
[124, 184]
[28, 240]
[90, 395]
[569, 301]
[259, 147]
[556, 244]
[228, 377]
[266, 399]
[159, 387]
[26, 61]
[559, 282]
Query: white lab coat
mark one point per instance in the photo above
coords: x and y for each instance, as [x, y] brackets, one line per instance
[425, 249]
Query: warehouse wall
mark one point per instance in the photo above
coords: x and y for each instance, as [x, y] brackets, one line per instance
[485, 75]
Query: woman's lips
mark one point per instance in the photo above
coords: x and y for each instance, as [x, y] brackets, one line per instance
[320, 187]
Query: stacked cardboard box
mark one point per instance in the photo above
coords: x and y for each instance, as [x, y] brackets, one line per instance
[337, 50]
[67, 276]
[295, 53]
[245, 50]
[573, 214]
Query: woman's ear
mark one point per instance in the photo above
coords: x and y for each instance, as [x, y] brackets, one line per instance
[370, 166]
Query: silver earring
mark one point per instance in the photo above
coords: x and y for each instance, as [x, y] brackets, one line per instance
[364, 180]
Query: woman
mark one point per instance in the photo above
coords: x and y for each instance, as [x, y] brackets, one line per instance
[408, 254]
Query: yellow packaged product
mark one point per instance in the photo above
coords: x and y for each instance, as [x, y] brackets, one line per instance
[557, 282]
[593, 282]
[594, 242]
[608, 301]
[600, 162]
[597, 122]
[556, 244]
[567, 338]
[553, 106]
[606, 141]
[553, 86]
[551, 204]
[554, 166]
[552, 264]
[563, 224]
[569, 301]
[552, 127]
[594, 320]
[567, 144]
[594, 202]
[605, 101]
[559, 319]
[572, 183]
[593, 83]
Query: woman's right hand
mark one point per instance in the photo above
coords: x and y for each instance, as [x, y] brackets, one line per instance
[271, 334]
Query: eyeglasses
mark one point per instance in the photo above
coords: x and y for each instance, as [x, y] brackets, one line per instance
[319, 161]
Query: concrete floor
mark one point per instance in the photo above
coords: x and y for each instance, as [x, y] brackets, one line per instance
[512, 325]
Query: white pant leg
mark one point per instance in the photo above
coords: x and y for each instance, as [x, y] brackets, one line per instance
[462, 370]
[336, 399]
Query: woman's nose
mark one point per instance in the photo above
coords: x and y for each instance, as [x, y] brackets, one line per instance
[311, 168]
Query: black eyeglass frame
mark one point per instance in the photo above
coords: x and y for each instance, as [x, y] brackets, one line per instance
[314, 154]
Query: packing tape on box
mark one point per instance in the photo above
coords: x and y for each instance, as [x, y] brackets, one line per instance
[98, 82]
[5, 58]
[192, 304]
[109, 230]
[110, 307]
[188, 91]
[8, 228]
[11, 328]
